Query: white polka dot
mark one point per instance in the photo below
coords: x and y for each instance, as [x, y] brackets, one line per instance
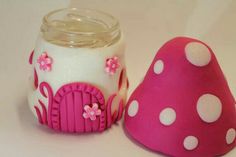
[197, 54]
[230, 136]
[190, 142]
[158, 66]
[133, 108]
[209, 108]
[167, 116]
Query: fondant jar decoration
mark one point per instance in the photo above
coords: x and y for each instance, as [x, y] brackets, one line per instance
[78, 81]
[184, 107]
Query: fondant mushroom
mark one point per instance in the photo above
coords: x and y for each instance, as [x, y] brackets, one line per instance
[184, 107]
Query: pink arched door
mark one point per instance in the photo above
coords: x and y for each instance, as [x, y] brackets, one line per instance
[66, 112]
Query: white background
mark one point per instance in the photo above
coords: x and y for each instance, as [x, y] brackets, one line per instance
[147, 24]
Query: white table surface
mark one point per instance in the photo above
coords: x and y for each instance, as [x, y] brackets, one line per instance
[147, 24]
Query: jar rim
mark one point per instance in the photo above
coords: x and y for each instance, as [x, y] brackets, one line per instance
[113, 26]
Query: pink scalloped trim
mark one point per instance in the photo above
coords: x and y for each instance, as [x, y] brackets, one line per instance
[109, 114]
[44, 114]
[38, 114]
[35, 78]
[117, 115]
[31, 57]
[127, 83]
[42, 87]
[121, 79]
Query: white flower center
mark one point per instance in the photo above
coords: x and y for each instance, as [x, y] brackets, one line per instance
[92, 113]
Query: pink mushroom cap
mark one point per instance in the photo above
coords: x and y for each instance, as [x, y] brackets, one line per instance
[183, 107]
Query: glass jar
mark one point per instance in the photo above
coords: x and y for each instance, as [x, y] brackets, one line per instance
[78, 81]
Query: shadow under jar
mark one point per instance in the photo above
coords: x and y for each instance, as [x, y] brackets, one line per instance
[78, 81]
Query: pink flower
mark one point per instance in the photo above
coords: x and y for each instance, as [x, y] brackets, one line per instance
[91, 112]
[45, 62]
[112, 64]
